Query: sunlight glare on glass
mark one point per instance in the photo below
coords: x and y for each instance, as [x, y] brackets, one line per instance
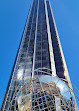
[19, 74]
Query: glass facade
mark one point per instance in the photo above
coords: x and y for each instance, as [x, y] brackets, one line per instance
[33, 86]
[42, 49]
[55, 45]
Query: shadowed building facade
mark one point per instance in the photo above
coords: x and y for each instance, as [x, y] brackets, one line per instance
[39, 80]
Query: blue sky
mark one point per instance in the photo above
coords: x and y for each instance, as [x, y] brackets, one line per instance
[13, 14]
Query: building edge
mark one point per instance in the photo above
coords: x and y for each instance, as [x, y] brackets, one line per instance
[4, 98]
[66, 73]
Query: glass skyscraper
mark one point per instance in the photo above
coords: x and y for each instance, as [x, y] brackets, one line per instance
[39, 80]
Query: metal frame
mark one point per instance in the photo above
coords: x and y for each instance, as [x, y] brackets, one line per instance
[36, 86]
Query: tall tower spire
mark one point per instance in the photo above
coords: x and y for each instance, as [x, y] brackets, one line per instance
[39, 80]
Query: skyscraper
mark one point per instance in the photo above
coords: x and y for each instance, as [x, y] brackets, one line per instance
[39, 80]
